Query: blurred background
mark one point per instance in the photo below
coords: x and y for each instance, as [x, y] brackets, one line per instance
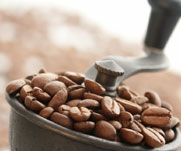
[71, 35]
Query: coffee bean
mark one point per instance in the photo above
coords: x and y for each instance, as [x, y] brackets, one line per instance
[94, 87]
[29, 100]
[92, 96]
[59, 98]
[131, 136]
[124, 92]
[137, 117]
[134, 127]
[80, 114]
[64, 109]
[156, 116]
[169, 135]
[61, 119]
[153, 97]
[129, 106]
[14, 86]
[89, 103]
[25, 90]
[66, 80]
[117, 125]
[77, 93]
[104, 129]
[37, 106]
[73, 103]
[85, 126]
[42, 70]
[174, 122]
[147, 105]
[53, 87]
[110, 107]
[167, 106]
[159, 130]
[28, 82]
[30, 77]
[40, 95]
[46, 112]
[42, 79]
[125, 118]
[139, 100]
[76, 77]
[97, 117]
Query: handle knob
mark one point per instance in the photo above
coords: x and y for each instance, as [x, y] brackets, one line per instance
[108, 71]
[163, 19]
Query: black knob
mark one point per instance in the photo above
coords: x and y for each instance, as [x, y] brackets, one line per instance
[163, 19]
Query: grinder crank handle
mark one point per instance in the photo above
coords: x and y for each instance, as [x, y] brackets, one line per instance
[163, 19]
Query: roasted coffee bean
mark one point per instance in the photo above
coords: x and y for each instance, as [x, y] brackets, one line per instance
[134, 127]
[46, 112]
[147, 105]
[42, 70]
[80, 114]
[97, 117]
[169, 135]
[167, 106]
[174, 122]
[66, 80]
[25, 90]
[94, 87]
[129, 106]
[42, 79]
[76, 77]
[104, 129]
[110, 107]
[137, 117]
[28, 82]
[59, 98]
[139, 100]
[73, 103]
[77, 93]
[30, 77]
[64, 109]
[53, 87]
[15, 86]
[85, 126]
[92, 96]
[159, 130]
[153, 98]
[29, 100]
[89, 103]
[40, 95]
[125, 118]
[124, 92]
[131, 136]
[117, 125]
[156, 116]
[61, 119]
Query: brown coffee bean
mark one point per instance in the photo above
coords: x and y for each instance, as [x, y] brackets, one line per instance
[147, 105]
[117, 125]
[42, 79]
[46, 112]
[167, 106]
[159, 130]
[61, 119]
[110, 107]
[40, 95]
[89, 103]
[134, 127]
[25, 90]
[30, 77]
[92, 96]
[53, 87]
[85, 126]
[66, 80]
[76, 77]
[73, 103]
[169, 135]
[129, 106]
[156, 116]
[97, 117]
[174, 122]
[137, 117]
[37, 106]
[94, 87]
[125, 118]
[77, 93]
[29, 100]
[124, 92]
[104, 129]
[14, 86]
[131, 136]
[59, 98]
[64, 109]
[42, 70]
[80, 114]
[139, 100]
[153, 97]
[28, 82]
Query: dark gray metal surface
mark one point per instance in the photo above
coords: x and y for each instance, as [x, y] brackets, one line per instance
[31, 132]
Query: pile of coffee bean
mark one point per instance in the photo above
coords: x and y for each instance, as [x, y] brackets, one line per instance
[73, 101]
